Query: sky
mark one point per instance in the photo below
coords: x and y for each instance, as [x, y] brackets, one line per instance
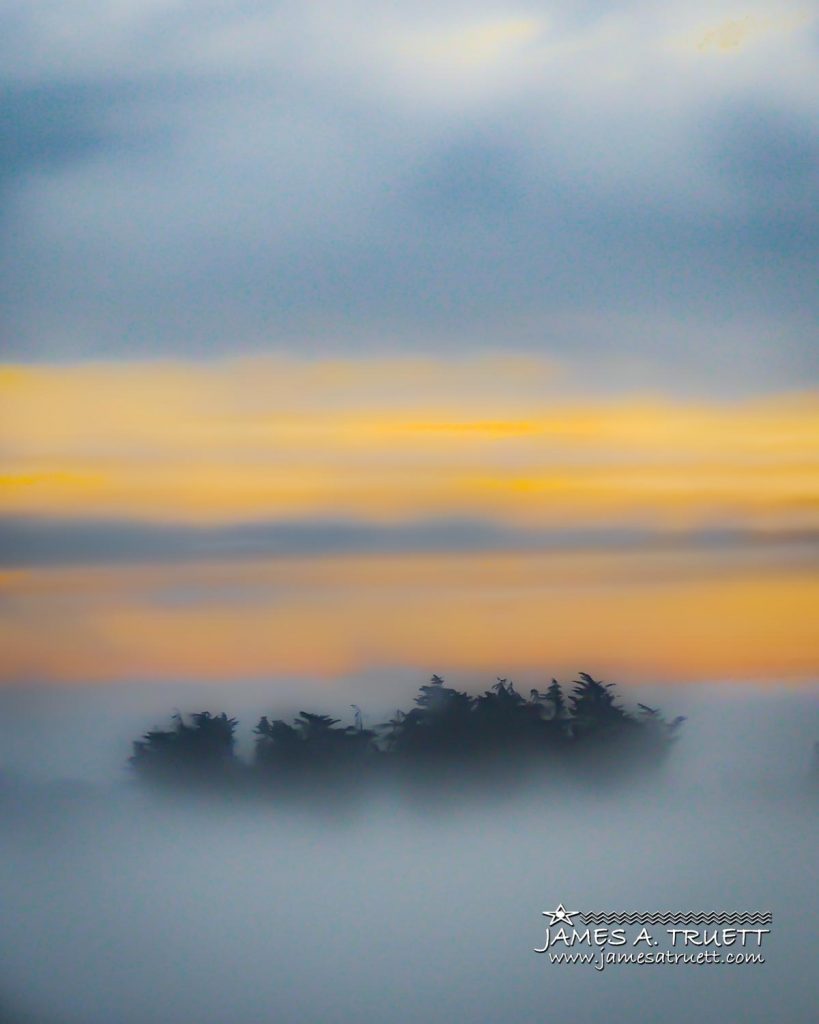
[477, 339]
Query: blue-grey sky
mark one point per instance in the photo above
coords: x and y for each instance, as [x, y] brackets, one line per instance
[461, 337]
[630, 186]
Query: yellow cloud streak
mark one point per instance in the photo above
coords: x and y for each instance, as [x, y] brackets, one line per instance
[391, 439]
[735, 33]
[472, 46]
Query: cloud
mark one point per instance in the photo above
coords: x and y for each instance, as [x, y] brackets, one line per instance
[474, 45]
[395, 439]
[201, 181]
[47, 129]
[730, 35]
[735, 33]
[55, 542]
[643, 612]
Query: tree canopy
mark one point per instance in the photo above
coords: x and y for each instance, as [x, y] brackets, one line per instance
[446, 730]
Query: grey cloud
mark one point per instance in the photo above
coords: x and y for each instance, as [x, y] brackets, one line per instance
[770, 149]
[770, 157]
[55, 542]
[469, 177]
[303, 203]
[45, 128]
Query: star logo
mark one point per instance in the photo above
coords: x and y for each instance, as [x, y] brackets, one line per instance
[560, 915]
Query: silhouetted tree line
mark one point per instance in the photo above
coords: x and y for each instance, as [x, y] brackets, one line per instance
[493, 734]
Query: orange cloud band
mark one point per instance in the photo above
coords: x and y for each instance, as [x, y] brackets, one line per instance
[655, 616]
[393, 440]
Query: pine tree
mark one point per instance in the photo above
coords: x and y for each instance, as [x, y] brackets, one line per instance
[200, 752]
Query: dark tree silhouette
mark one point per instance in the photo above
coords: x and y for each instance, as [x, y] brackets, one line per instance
[202, 752]
[506, 724]
[595, 712]
[311, 746]
[486, 736]
[437, 728]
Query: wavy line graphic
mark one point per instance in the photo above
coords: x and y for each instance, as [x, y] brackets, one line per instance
[701, 917]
